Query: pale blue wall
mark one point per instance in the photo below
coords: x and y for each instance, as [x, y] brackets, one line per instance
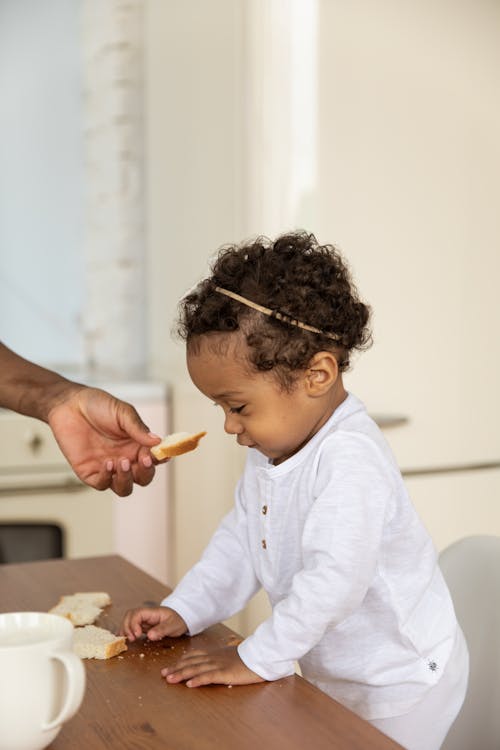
[41, 179]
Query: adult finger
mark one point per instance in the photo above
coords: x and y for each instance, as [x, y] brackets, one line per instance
[133, 425]
[99, 480]
[143, 470]
[122, 481]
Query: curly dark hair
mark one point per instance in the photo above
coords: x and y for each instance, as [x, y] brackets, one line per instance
[294, 276]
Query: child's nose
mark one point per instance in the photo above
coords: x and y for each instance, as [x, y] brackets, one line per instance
[232, 424]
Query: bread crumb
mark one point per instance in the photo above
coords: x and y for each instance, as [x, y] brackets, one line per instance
[141, 656]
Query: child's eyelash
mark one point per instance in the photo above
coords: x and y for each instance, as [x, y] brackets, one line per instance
[232, 409]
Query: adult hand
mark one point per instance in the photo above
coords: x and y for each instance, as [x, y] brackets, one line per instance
[103, 438]
[222, 666]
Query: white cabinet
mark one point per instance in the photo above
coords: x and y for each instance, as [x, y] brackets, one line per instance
[457, 504]
[37, 486]
[141, 523]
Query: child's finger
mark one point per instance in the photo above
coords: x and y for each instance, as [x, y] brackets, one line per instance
[189, 671]
[157, 633]
[137, 620]
[162, 629]
[212, 677]
[125, 626]
[198, 657]
[127, 630]
[188, 660]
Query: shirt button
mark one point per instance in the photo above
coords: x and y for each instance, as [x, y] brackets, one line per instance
[264, 509]
[264, 545]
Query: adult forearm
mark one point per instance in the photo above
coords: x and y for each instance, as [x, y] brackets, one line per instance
[28, 388]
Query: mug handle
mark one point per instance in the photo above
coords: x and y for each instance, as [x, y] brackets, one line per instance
[75, 687]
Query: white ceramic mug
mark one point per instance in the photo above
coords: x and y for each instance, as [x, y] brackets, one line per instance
[41, 680]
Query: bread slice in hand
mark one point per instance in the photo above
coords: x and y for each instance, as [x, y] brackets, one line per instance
[176, 444]
[91, 642]
[82, 608]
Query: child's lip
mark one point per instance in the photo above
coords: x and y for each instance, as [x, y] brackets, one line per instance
[245, 445]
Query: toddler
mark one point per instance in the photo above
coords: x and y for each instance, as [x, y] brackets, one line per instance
[321, 519]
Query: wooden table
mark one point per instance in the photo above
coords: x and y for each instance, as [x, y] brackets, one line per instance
[128, 705]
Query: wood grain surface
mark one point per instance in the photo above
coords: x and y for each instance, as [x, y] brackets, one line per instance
[128, 705]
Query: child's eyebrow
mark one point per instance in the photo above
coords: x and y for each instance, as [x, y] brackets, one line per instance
[227, 394]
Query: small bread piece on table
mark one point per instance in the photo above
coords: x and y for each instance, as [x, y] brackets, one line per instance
[91, 642]
[82, 608]
[176, 444]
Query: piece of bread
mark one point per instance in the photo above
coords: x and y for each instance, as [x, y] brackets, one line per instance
[91, 642]
[176, 444]
[82, 608]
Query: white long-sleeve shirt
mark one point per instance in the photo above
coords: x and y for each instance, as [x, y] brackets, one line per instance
[351, 573]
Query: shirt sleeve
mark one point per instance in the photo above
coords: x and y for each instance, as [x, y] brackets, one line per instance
[223, 581]
[340, 546]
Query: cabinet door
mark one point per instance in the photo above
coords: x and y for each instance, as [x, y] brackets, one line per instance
[456, 505]
[408, 164]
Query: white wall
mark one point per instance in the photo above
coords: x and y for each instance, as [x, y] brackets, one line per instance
[41, 182]
[408, 187]
[194, 124]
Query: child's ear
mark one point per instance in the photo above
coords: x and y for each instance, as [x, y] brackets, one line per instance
[322, 373]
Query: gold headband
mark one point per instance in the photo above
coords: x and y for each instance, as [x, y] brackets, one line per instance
[275, 313]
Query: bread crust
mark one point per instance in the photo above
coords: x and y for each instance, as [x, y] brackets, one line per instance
[91, 642]
[185, 445]
[115, 648]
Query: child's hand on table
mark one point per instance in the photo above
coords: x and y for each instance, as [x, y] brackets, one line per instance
[156, 622]
[222, 666]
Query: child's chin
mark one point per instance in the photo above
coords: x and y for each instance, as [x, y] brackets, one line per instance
[263, 451]
[273, 456]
